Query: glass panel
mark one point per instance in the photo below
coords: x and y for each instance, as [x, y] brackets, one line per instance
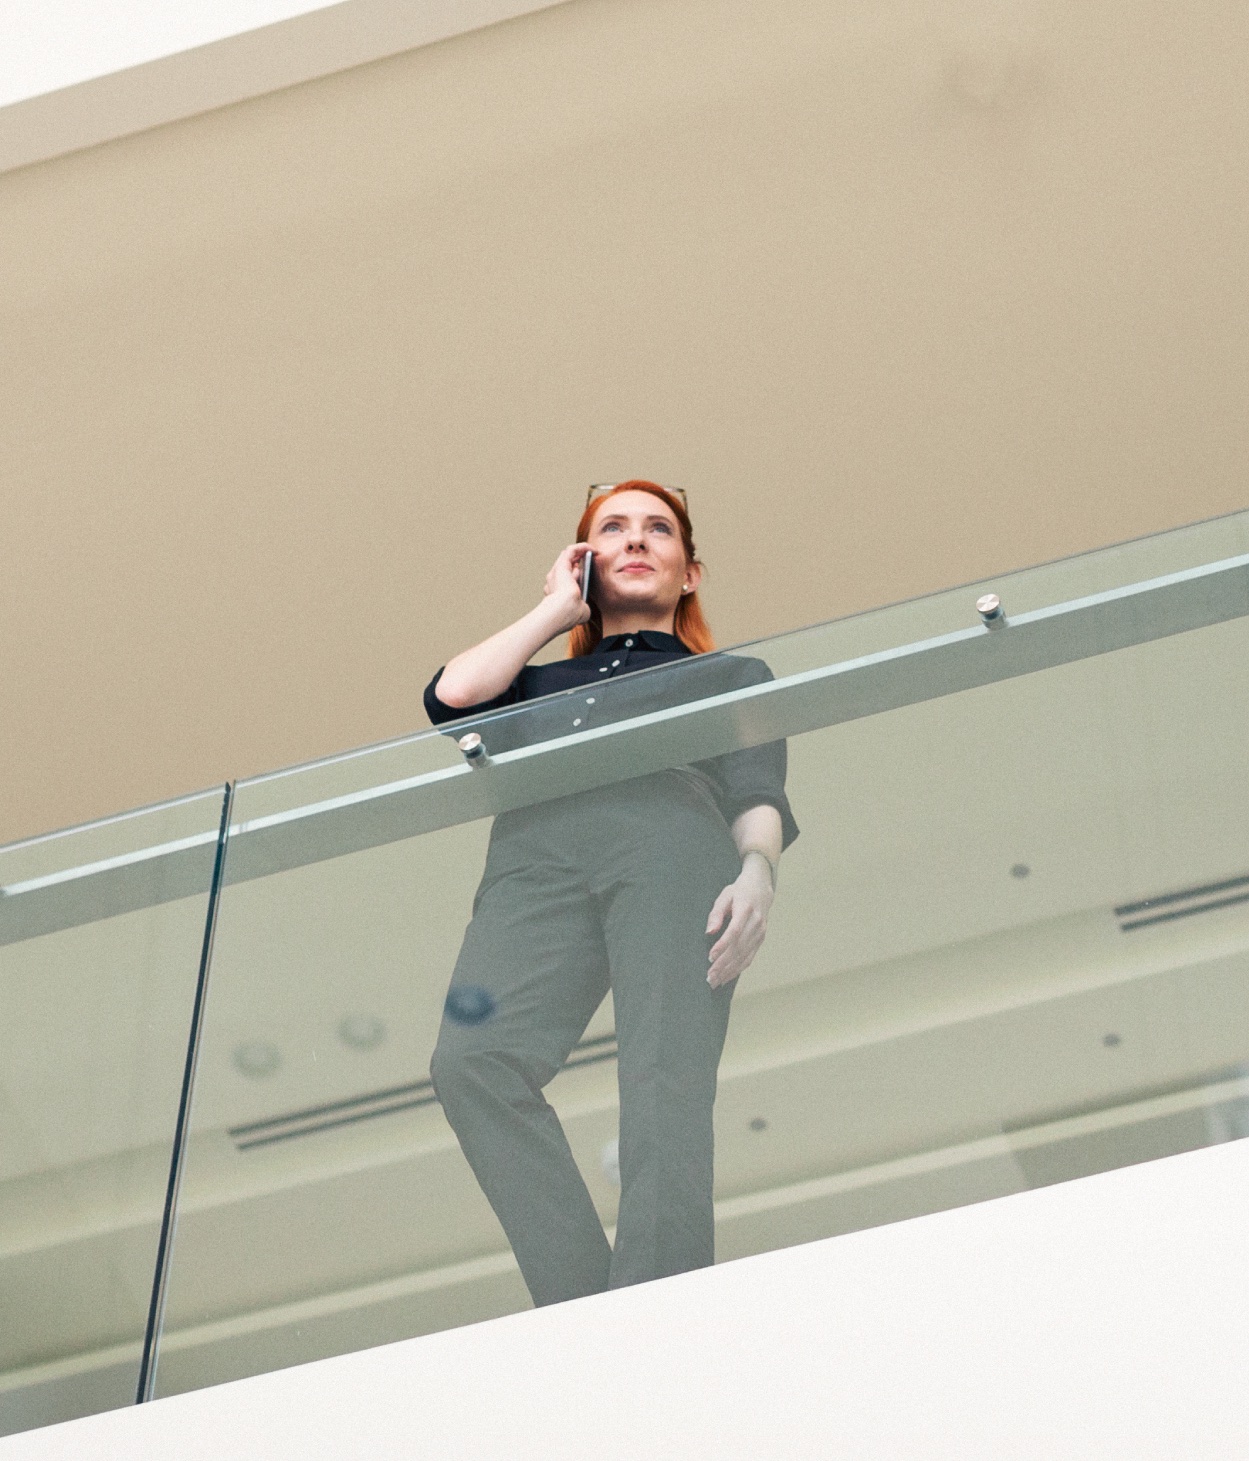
[101, 929]
[1008, 948]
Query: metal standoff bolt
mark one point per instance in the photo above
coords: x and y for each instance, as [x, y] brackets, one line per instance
[474, 749]
[989, 607]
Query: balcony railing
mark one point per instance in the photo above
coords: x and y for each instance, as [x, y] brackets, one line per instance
[1011, 946]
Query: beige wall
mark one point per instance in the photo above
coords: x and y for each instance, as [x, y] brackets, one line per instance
[303, 394]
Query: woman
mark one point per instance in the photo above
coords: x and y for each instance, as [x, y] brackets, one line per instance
[657, 888]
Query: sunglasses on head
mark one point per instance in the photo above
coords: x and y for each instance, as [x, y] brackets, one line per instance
[601, 489]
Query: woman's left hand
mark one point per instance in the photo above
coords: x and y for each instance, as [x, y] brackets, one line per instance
[740, 916]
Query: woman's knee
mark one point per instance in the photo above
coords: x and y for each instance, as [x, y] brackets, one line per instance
[450, 1067]
[465, 1070]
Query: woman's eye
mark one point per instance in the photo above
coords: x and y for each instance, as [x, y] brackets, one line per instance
[664, 528]
[610, 527]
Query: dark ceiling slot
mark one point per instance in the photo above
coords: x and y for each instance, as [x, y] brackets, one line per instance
[593, 1058]
[594, 1042]
[1171, 915]
[386, 1102]
[351, 1103]
[328, 1125]
[1185, 895]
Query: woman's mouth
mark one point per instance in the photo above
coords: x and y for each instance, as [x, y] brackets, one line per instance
[637, 568]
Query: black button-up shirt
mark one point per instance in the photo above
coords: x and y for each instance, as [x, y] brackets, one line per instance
[738, 780]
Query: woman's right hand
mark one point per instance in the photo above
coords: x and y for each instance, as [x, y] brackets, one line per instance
[486, 670]
[562, 590]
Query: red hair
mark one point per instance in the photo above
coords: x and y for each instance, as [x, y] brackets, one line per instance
[690, 627]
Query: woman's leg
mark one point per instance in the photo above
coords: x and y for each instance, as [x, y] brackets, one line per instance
[670, 1029]
[535, 947]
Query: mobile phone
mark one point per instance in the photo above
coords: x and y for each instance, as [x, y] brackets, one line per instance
[586, 563]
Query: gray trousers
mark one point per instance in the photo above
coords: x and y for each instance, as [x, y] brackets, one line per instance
[610, 888]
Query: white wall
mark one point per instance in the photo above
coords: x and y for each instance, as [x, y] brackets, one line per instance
[1103, 1318]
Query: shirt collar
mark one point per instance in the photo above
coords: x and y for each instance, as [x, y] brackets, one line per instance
[643, 638]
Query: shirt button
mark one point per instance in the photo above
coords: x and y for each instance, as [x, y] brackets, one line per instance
[603, 671]
[614, 663]
[628, 644]
[590, 700]
[577, 721]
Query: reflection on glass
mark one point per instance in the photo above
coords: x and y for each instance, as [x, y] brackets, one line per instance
[101, 930]
[1009, 948]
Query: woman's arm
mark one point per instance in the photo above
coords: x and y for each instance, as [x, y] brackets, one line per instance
[489, 668]
[758, 830]
[741, 910]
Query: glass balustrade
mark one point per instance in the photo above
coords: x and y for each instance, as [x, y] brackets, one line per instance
[101, 935]
[1009, 947]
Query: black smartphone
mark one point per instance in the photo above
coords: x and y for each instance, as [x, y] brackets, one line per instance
[586, 563]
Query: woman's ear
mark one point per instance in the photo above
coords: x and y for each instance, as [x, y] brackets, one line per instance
[693, 577]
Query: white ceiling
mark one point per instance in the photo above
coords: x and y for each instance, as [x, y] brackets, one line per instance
[77, 73]
[57, 43]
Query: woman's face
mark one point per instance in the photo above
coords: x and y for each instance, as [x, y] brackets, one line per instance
[639, 558]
